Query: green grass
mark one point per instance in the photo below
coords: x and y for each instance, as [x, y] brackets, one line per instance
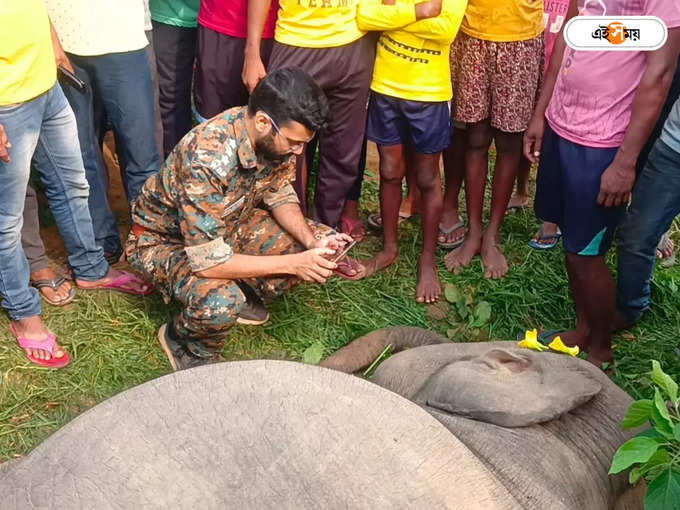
[112, 337]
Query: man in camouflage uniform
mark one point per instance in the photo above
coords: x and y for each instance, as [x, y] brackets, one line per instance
[220, 226]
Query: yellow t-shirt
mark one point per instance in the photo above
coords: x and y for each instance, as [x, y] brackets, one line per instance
[27, 67]
[317, 23]
[504, 20]
[412, 61]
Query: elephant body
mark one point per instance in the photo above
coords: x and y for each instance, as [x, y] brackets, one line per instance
[253, 435]
[447, 426]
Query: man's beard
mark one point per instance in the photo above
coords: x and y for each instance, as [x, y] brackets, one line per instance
[265, 149]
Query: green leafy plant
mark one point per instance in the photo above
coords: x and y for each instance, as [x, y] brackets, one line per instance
[470, 318]
[654, 454]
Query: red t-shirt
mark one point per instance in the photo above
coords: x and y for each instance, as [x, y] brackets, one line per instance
[231, 17]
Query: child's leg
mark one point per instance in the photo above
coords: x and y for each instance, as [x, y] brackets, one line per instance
[508, 154]
[411, 203]
[520, 198]
[454, 170]
[429, 184]
[392, 171]
[476, 165]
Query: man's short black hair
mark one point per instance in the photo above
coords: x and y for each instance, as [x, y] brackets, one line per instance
[290, 94]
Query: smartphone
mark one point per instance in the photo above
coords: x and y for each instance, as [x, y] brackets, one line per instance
[72, 79]
[344, 252]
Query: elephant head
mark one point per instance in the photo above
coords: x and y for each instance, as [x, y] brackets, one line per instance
[547, 425]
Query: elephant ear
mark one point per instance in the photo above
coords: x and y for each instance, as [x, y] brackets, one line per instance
[510, 388]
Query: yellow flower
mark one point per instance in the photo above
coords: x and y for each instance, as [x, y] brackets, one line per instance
[531, 341]
[558, 345]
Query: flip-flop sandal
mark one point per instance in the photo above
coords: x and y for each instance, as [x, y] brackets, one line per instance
[349, 262]
[515, 208]
[446, 231]
[374, 220]
[119, 285]
[349, 225]
[665, 243]
[54, 284]
[553, 238]
[44, 345]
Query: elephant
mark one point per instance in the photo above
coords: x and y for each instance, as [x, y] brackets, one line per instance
[247, 435]
[447, 426]
[545, 424]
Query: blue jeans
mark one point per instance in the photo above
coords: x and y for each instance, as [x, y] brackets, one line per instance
[656, 202]
[121, 83]
[43, 129]
[103, 221]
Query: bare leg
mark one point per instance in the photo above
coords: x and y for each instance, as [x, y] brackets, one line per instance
[594, 295]
[476, 166]
[520, 198]
[412, 202]
[392, 171]
[454, 171]
[508, 153]
[430, 186]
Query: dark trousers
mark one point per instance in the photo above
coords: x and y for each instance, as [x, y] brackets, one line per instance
[83, 106]
[345, 74]
[219, 63]
[30, 233]
[122, 84]
[175, 49]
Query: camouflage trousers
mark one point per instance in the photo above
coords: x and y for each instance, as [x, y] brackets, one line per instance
[211, 306]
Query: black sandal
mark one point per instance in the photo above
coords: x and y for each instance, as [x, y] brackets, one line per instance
[54, 284]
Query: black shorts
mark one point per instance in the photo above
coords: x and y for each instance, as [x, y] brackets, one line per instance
[425, 125]
[567, 187]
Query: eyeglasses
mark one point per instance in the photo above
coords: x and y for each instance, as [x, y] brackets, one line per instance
[292, 144]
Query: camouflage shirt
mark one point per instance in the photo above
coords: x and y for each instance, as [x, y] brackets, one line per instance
[208, 186]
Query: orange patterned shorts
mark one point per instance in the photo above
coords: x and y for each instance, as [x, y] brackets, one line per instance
[499, 81]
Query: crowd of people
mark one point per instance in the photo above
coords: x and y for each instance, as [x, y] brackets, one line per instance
[221, 224]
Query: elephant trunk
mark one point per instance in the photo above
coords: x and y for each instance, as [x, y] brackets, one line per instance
[361, 352]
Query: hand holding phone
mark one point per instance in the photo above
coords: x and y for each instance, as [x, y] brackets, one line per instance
[343, 253]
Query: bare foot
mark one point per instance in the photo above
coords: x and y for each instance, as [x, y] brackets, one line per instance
[378, 262]
[493, 260]
[517, 201]
[33, 328]
[428, 290]
[60, 294]
[597, 356]
[461, 257]
[135, 285]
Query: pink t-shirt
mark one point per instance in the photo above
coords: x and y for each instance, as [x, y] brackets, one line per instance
[231, 17]
[554, 13]
[593, 99]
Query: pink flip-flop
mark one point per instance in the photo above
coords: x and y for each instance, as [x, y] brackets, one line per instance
[43, 345]
[121, 281]
[350, 263]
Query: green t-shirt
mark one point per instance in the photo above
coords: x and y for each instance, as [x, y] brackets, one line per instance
[178, 13]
